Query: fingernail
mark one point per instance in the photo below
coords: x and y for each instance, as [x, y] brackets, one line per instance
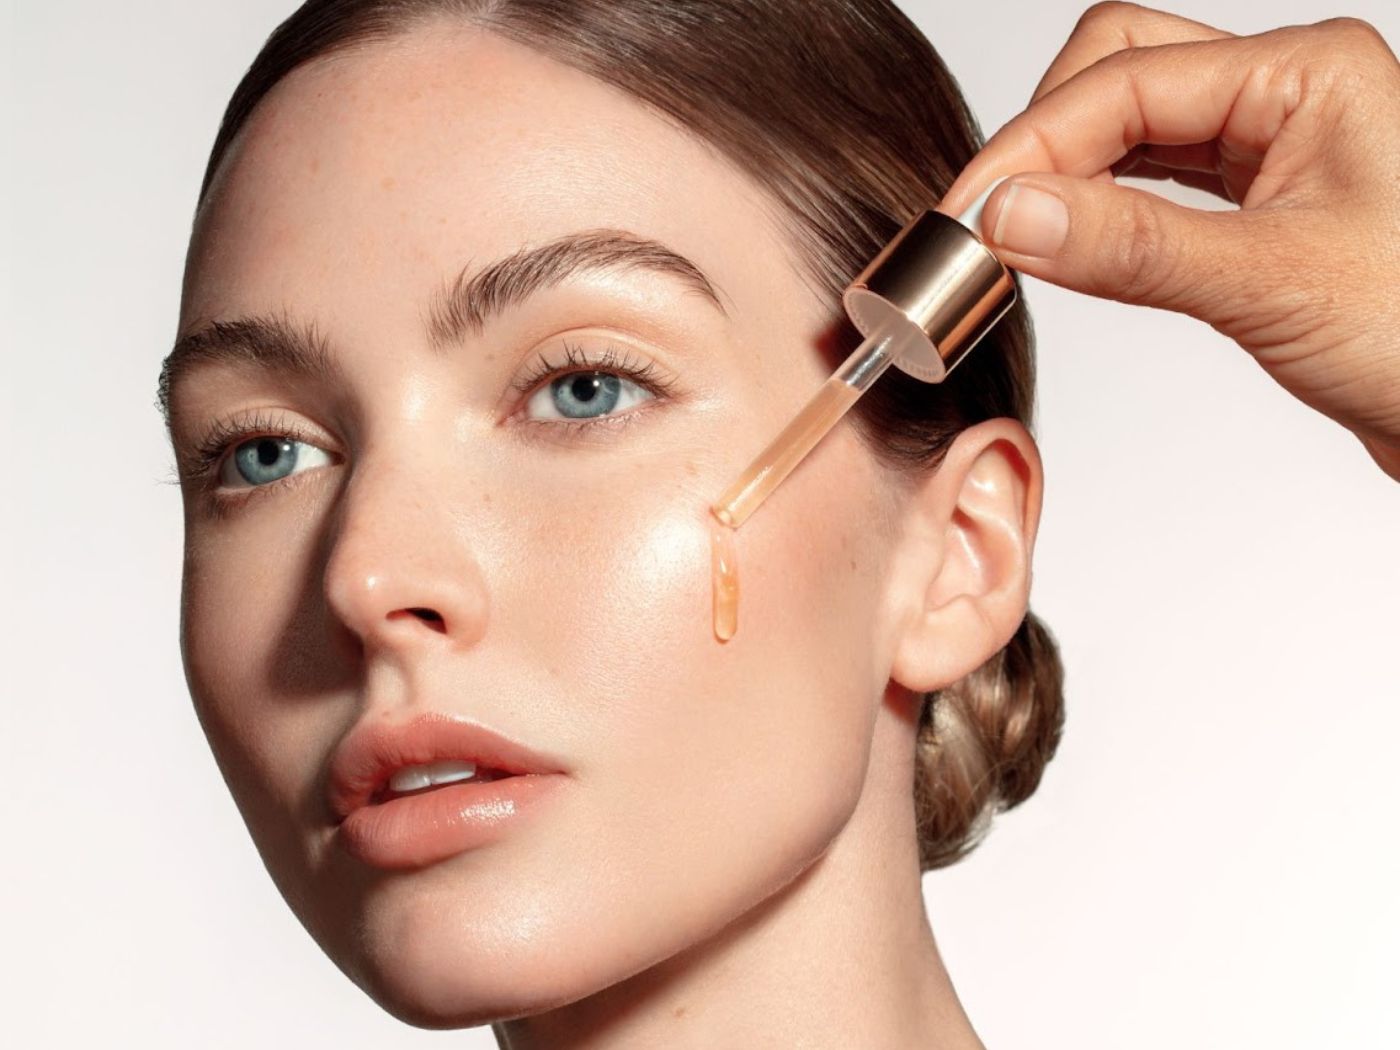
[1031, 222]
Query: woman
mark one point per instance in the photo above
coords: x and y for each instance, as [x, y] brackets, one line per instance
[484, 304]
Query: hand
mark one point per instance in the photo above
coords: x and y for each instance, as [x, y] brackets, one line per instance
[1300, 126]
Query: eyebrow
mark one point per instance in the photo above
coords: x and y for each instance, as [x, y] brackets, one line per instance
[278, 344]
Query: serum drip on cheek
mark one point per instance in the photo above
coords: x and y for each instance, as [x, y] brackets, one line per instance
[724, 580]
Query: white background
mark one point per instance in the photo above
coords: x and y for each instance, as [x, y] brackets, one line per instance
[1210, 860]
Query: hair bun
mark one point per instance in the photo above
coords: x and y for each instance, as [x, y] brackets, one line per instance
[984, 742]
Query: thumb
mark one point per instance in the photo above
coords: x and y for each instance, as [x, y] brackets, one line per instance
[1117, 242]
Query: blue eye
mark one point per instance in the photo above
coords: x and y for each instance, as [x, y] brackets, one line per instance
[585, 396]
[591, 389]
[270, 458]
[243, 457]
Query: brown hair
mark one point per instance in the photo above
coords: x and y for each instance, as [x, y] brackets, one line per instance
[846, 114]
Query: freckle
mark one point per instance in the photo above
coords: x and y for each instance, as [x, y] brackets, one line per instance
[387, 182]
[486, 496]
[853, 564]
[680, 1011]
[691, 469]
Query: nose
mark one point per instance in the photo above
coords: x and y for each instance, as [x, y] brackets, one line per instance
[402, 574]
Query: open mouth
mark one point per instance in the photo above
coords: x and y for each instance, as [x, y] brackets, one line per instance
[481, 776]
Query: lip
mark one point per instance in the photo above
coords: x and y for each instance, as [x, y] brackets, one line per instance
[374, 751]
[413, 831]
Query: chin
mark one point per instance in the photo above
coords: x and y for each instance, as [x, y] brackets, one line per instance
[436, 966]
[460, 991]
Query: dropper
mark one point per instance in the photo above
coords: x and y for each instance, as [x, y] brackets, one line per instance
[921, 304]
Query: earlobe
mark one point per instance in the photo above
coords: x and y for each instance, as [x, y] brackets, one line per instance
[963, 569]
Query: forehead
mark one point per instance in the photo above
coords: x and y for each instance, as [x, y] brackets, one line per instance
[396, 164]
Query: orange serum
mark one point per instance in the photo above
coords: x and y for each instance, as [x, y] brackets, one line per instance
[724, 581]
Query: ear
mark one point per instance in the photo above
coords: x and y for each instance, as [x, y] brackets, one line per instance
[961, 575]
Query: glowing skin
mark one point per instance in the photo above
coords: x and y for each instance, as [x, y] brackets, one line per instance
[443, 544]
[763, 476]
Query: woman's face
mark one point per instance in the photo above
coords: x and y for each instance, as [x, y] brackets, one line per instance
[568, 568]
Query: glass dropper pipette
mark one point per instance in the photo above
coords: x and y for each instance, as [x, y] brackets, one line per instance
[921, 305]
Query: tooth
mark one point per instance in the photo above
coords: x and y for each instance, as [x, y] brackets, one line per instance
[451, 771]
[412, 778]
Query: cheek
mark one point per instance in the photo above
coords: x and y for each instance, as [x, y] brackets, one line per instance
[613, 600]
[257, 662]
[710, 773]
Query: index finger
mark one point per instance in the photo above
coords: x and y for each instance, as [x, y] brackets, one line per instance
[1167, 94]
[1108, 27]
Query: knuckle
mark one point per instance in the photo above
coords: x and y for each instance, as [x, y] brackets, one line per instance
[1105, 13]
[1140, 256]
[1122, 62]
[1336, 55]
[1354, 31]
[1339, 43]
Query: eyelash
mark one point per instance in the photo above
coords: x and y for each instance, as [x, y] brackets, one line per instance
[206, 459]
[646, 375]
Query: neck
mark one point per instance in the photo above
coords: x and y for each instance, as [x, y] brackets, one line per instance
[843, 955]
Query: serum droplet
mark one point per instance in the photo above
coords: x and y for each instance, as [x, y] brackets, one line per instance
[724, 580]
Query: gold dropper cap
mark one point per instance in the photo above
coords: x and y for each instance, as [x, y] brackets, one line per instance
[938, 285]
[930, 295]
